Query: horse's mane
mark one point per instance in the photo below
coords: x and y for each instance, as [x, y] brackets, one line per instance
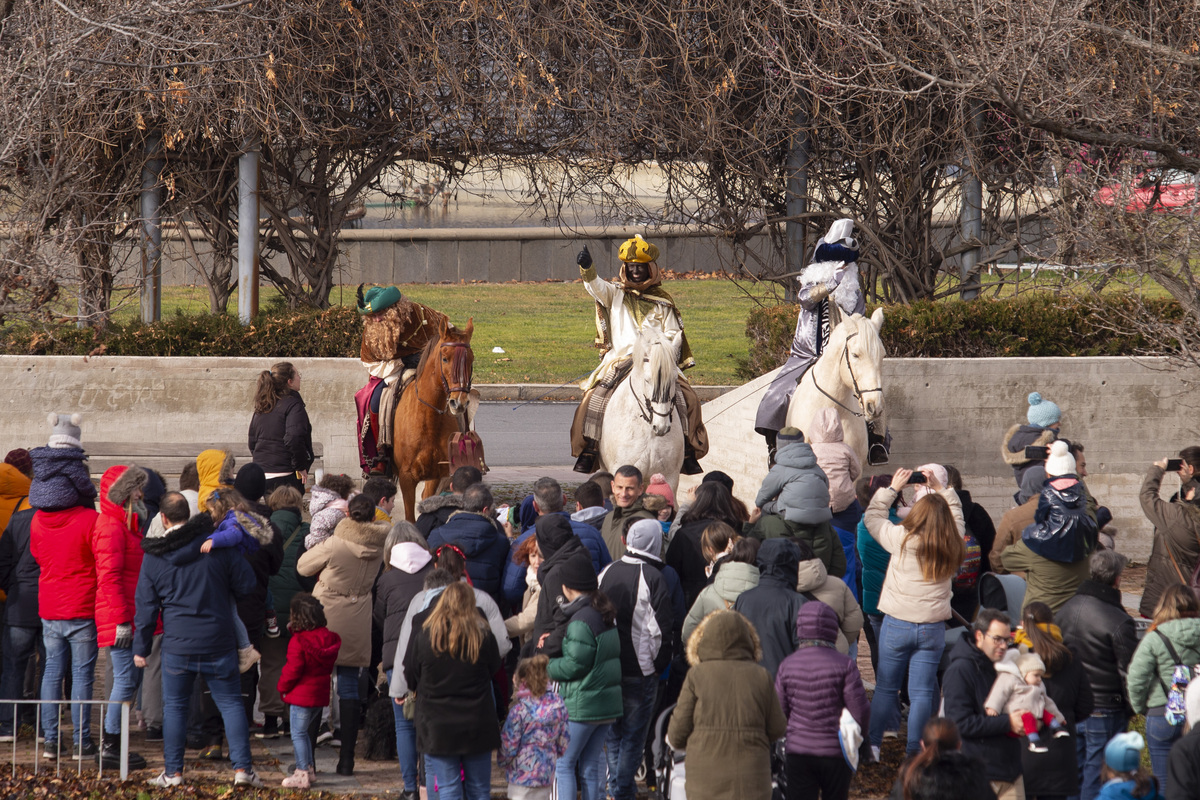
[652, 345]
[871, 342]
[434, 343]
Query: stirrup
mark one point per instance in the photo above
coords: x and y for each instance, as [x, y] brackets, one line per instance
[879, 448]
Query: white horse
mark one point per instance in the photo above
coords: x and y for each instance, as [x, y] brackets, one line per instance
[641, 423]
[847, 377]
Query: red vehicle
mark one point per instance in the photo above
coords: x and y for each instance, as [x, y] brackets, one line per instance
[1158, 190]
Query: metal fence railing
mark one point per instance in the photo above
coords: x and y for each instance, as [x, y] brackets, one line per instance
[66, 751]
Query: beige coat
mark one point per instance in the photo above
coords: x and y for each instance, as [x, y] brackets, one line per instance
[812, 578]
[836, 458]
[348, 562]
[906, 595]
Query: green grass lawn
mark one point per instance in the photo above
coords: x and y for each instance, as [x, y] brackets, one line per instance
[546, 329]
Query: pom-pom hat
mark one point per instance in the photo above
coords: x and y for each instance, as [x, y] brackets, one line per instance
[1042, 412]
[1060, 461]
[66, 430]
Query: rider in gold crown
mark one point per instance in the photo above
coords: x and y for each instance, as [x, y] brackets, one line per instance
[635, 299]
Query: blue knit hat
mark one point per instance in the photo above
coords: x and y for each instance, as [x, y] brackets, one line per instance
[1042, 413]
[1123, 753]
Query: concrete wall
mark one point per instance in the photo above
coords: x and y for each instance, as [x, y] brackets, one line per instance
[1127, 413]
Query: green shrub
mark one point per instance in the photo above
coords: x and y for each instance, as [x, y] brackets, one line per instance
[1038, 324]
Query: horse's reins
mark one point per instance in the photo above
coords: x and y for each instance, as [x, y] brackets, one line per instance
[858, 393]
[460, 372]
[646, 404]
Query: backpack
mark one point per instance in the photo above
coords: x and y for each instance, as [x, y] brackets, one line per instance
[968, 571]
[1181, 676]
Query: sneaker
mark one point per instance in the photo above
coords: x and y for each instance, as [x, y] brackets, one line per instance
[1061, 733]
[272, 625]
[165, 781]
[50, 749]
[248, 778]
[325, 735]
[1035, 747]
[270, 728]
[7, 738]
[212, 753]
[87, 749]
[154, 734]
[297, 780]
[247, 658]
[891, 734]
[875, 754]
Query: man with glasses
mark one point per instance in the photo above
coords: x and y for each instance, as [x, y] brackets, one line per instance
[965, 687]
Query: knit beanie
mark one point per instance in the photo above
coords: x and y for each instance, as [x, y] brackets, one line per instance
[20, 459]
[577, 574]
[716, 476]
[251, 482]
[658, 485]
[552, 532]
[1060, 462]
[645, 538]
[1030, 662]
[66, 430]
[789, 434]
[1042, 413]
[1123, 753]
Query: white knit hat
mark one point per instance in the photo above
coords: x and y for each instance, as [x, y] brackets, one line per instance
[1060, 462]
[66, 430]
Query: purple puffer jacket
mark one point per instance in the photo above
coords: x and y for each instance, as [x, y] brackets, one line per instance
[816, 682]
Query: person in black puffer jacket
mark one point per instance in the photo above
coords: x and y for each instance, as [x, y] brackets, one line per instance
[280, 433]
[559, 546]
[772, 606]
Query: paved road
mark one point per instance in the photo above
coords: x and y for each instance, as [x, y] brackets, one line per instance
[532, 434]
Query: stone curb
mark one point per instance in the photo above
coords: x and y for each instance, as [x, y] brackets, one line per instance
[554, 393]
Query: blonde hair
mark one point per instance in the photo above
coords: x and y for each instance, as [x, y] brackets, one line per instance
[1176, 602]
[534, 674]
[938, 547]
[222, 500]
[455, 627]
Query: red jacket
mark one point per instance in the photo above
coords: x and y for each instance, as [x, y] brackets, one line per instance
[118, 551]
[311, 657]
[62, 543]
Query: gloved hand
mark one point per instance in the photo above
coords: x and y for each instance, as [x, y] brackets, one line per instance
[584, 259]
[819, 292]
[124, 639]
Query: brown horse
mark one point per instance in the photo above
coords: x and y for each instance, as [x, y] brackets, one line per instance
[427, 413]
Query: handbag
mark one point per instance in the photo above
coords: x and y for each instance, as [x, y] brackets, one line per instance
[410, 705]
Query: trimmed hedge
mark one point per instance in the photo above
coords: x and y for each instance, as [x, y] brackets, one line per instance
[1038, 324]
[336, 332]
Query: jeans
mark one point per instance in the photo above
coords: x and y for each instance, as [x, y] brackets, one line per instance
[626, 742]
[406, 745]
[220, 672]
[918, 647]
[124, 687]
[301, 718]
[1091, 736]
[72, 640]
[585, 751]
[459, 777]
[347, 682]
[19, 645]
[239, 630]
[1159, 737]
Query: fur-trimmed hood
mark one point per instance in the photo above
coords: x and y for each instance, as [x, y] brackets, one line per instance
[364, 534]
[1020, 436]
[724, 636]
[215, 469]
[438, 502]
[258, 527]
[127, 481]
[193, 532]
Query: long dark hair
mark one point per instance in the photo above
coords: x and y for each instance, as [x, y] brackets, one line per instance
[714, 501]
[1054, 654]
[939, 736]
[272, 385]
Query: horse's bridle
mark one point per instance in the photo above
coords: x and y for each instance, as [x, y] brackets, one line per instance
[460, 373]
[858, 393]
[646, 404]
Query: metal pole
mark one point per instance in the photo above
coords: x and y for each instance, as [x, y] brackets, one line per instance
[248, 233]
[797, 199]
[971, 219]
[152, 232]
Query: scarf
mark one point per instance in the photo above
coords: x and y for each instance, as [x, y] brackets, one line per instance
[1022, 638]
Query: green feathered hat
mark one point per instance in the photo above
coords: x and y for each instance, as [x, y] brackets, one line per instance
[377, 298]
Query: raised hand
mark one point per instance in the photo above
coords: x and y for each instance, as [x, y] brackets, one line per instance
[584, 259]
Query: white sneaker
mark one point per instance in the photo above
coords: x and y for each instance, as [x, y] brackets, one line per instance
[875, 754]
[1034, 747]
[164, 780]
[1061, 733]
[248, 778]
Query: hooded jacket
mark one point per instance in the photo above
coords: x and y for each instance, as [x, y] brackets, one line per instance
[728, 715]
[965, 687]
[613, 526]
[1151, 669]
[64, 545]
[215, 469]
[906, 595]
[645, 617]
[1016, 439]
[1010, 693]
[243, 531]
[326, 509]
[1062, 529]
[1176, 533]
[772, 606]
[398, 584]
[348, 563]
[311, 656]
[118, 551]
[60, 479]
[814, 582]
[733, 579]
[816, 682]
[191, 590]
[558, 544]
[482, 542]
[285, 583]
[14, 492]
[281, 439]
[432, 512]
[795, 488]
[589, 670]
[836, 459]
[1103, 637]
